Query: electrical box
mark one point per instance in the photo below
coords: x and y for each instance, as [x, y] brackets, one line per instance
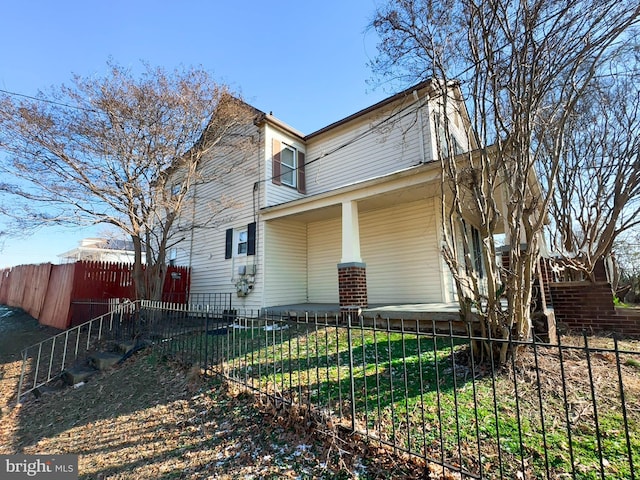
[251, 269]
[242, 270]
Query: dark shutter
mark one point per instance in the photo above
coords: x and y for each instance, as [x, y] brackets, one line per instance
[275, 173]
[251, 240]
[302, 187]
[228, 243]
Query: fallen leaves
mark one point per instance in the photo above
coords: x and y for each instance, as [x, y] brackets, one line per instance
[149, 419]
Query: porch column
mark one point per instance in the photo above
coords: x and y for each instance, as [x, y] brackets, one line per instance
[352, 277]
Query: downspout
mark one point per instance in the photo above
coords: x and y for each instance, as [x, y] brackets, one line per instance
[260, 267]
[191, 241]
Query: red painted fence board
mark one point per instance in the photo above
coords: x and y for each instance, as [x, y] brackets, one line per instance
[57, 302]
[36, 288]
[47, 292]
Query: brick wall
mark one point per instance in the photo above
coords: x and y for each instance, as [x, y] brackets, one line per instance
[589, 306]
[352, 285]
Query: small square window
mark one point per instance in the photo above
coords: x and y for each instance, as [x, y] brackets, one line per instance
[242, 242]
[176, 189]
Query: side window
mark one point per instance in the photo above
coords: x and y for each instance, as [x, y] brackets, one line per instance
[477, 251]
[240, 241]
[475, 248]
[288, 165]
[242, 238]
[176, 189]
[173, 255]
[447, 141]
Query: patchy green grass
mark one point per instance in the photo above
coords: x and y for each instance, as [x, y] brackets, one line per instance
[632, 362]
[538, 416]
[535, 416]
[149, 418]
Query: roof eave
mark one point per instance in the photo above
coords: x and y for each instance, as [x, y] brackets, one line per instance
[389, 100]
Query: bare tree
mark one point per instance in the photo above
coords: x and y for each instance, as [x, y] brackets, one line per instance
[522, 67]
[597, 192]
[627, 255]
[122, 151]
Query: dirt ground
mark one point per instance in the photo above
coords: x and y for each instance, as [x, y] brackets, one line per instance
[151, 419]
[17, 330]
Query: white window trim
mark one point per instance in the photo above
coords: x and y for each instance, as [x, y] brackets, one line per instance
[237, 242]
[294, 172]
[173, 256]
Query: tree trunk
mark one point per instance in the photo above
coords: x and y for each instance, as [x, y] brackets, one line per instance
[138, 269]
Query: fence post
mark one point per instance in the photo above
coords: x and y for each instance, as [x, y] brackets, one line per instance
[206, 343]
[22, 374]
[352, 387]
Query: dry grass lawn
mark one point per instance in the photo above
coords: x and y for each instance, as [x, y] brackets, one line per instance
[150, 419]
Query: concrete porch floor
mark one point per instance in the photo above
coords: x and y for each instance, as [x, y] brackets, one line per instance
[409, 311]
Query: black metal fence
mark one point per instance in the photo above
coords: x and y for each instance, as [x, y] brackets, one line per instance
[215, 301]
[566, 410]
[101, 324]
[49, 359]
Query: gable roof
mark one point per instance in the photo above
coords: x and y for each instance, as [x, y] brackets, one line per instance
[276, 122]
[389, 100]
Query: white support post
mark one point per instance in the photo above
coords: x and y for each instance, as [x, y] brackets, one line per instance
[350, 233]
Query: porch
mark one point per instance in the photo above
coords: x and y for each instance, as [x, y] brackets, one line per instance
[427, 317]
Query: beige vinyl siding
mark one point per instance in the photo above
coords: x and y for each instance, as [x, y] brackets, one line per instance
[399, 247]
[325, 250]
[448, 286]
[229, 202]
[285, 263]
[360, 151]
[458, 128]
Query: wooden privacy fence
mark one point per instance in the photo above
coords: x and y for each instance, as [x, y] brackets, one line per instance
[48, 292]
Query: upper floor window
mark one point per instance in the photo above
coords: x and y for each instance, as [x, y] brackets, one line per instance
[176, 189]
[288, 166]
[447, 141]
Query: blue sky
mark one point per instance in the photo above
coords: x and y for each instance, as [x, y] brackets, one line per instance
[305, 61]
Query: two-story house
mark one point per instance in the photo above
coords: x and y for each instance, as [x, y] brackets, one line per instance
[349, 215]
